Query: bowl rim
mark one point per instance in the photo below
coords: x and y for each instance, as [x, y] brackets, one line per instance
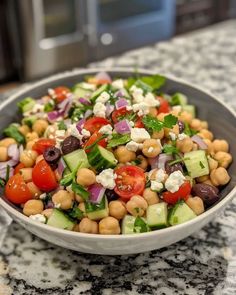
[85, 71]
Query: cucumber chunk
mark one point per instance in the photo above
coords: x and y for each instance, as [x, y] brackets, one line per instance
[77, 158]
[78, 91]
[180, 213]
[96, 93]
[26, 104]
[190, 109]
[97, 211]
[101, 159]
[60, 220]
[157, 215]
[29, 121]
[179, 99]
[196, 163]
[129, 225]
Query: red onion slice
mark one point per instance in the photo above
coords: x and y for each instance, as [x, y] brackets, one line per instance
[103, 76]
[84, 101]
[80, 124]
[160, 161]
[61, 167]
[54, 115]
[121, 103]
[109, 109]
[122, 127]
[96, 193]
[10, 163]
[13, 152]
[199, 141]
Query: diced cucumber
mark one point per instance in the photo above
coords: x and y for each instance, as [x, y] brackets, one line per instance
[196, 163]
[180, 213]
[179, 99]
[100, 158]
[78, 91]
[128, 225]
[190, 109]
[157, 215]
[29, 121]
[66, 172]
[60, 220]
[77, 158]
[97, 212]
[26, 104]
[96, 93]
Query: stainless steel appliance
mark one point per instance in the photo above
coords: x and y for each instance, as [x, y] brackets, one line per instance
[53, 35]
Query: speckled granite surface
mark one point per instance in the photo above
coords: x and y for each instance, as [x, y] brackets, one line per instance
[204, 263]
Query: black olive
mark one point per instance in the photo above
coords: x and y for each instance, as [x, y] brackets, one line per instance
[111, 195]
[70, 144]
[52, 155]
[172, 168]
[208, 193]
[181, 126]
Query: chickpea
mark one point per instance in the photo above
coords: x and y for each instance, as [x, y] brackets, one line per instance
[35, 191]
[33, 207]
[213, 164]
[224, 159]
[204, 125]
[137, 206]
[208, 181]
[29, 145]
[24, 129]
[40, 126]
[144, 162]
[88, 226]
[185, 145]
[195, 147]
[3, 154]
[220, 145]
[202, 178]
[158, 134]
[209, 144]
[47, 212]
[174, 130]
[7, 141]
[204, 133]
[76, 227]
[28, 158]
[31, 136]
[26, 174]
[62, 199]
[123, 155]
[151, 148]
[117, 209]
[109, 226]
[79, 199]
[219, 176]
[150, 196]
[186, 117]
[81, 206]
[196, 124]
[39, 158]
[86, 177]
[196, 204]
[152, 112]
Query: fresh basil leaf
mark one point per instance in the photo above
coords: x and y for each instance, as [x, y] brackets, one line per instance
[170, 121]
[140, 226]
[170, 149]
[13, 132]
[76, 213]
[118, 139]
[80, 190]
[152, 123]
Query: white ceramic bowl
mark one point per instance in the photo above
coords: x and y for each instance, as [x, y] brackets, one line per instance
[222, 121]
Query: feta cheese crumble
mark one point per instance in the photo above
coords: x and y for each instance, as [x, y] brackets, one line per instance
[172, 135]
[174, 181]
[156, 186]
[107, 129]
[107, 178]
[133, 146]
[103, 97]
[182, 136]
[38, 217]
[85, 133]
[118, 84]
[43, 196]
[139, 135]
[160, 175]
[142, 108]
[99, 110]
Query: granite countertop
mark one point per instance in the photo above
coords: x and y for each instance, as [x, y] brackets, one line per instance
[204, 263]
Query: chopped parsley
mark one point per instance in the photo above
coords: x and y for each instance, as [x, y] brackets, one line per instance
[118, 139]
[2, 182]
[140, 225]
[76, 213]
[7, 173]
[152, 123]
[91, 207]
[48, 107]
[189, 131]
[62, 125]
[201, 165]
[170, 149]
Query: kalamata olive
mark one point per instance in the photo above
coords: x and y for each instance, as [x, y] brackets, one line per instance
[172, 168]
[111, 195]
[70, 144]
[208, 193]
[52, 155]
[181, 126]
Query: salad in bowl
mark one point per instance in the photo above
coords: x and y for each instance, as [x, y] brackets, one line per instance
[112, 156]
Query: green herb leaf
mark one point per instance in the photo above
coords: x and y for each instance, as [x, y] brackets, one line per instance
[170, 149]
[118, 139]
[201, 165]
[2, 182]
[140, 226]
[13, 132]
[136, 162]
[178, 99]
[170, 121]
[7, 173]
[152, 123]
[76, 213]
[146, 88]
[91, 207]
[48, 107]
[154, 81]
[68, 179]
[189, 131]
[80, 190]
[62, 126]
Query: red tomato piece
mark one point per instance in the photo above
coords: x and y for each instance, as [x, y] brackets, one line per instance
[61, 93]
[130, 181]
[94, 138]
[139, 123]
[17, 191]
[164, 105]
[42, 144]
[182, 194]
[18, 167]
[120, 114]
[43, 177]
[95, 123]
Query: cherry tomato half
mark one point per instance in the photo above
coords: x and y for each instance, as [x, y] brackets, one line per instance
[94, 138]
[18, 167]
[17, 191]
[164, 105]
[42, 144]
[43, 177]
[182, 194]
[61, 93]
[95, 123]
[130, 181]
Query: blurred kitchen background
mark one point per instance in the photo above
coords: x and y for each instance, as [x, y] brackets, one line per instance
[41, 37]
